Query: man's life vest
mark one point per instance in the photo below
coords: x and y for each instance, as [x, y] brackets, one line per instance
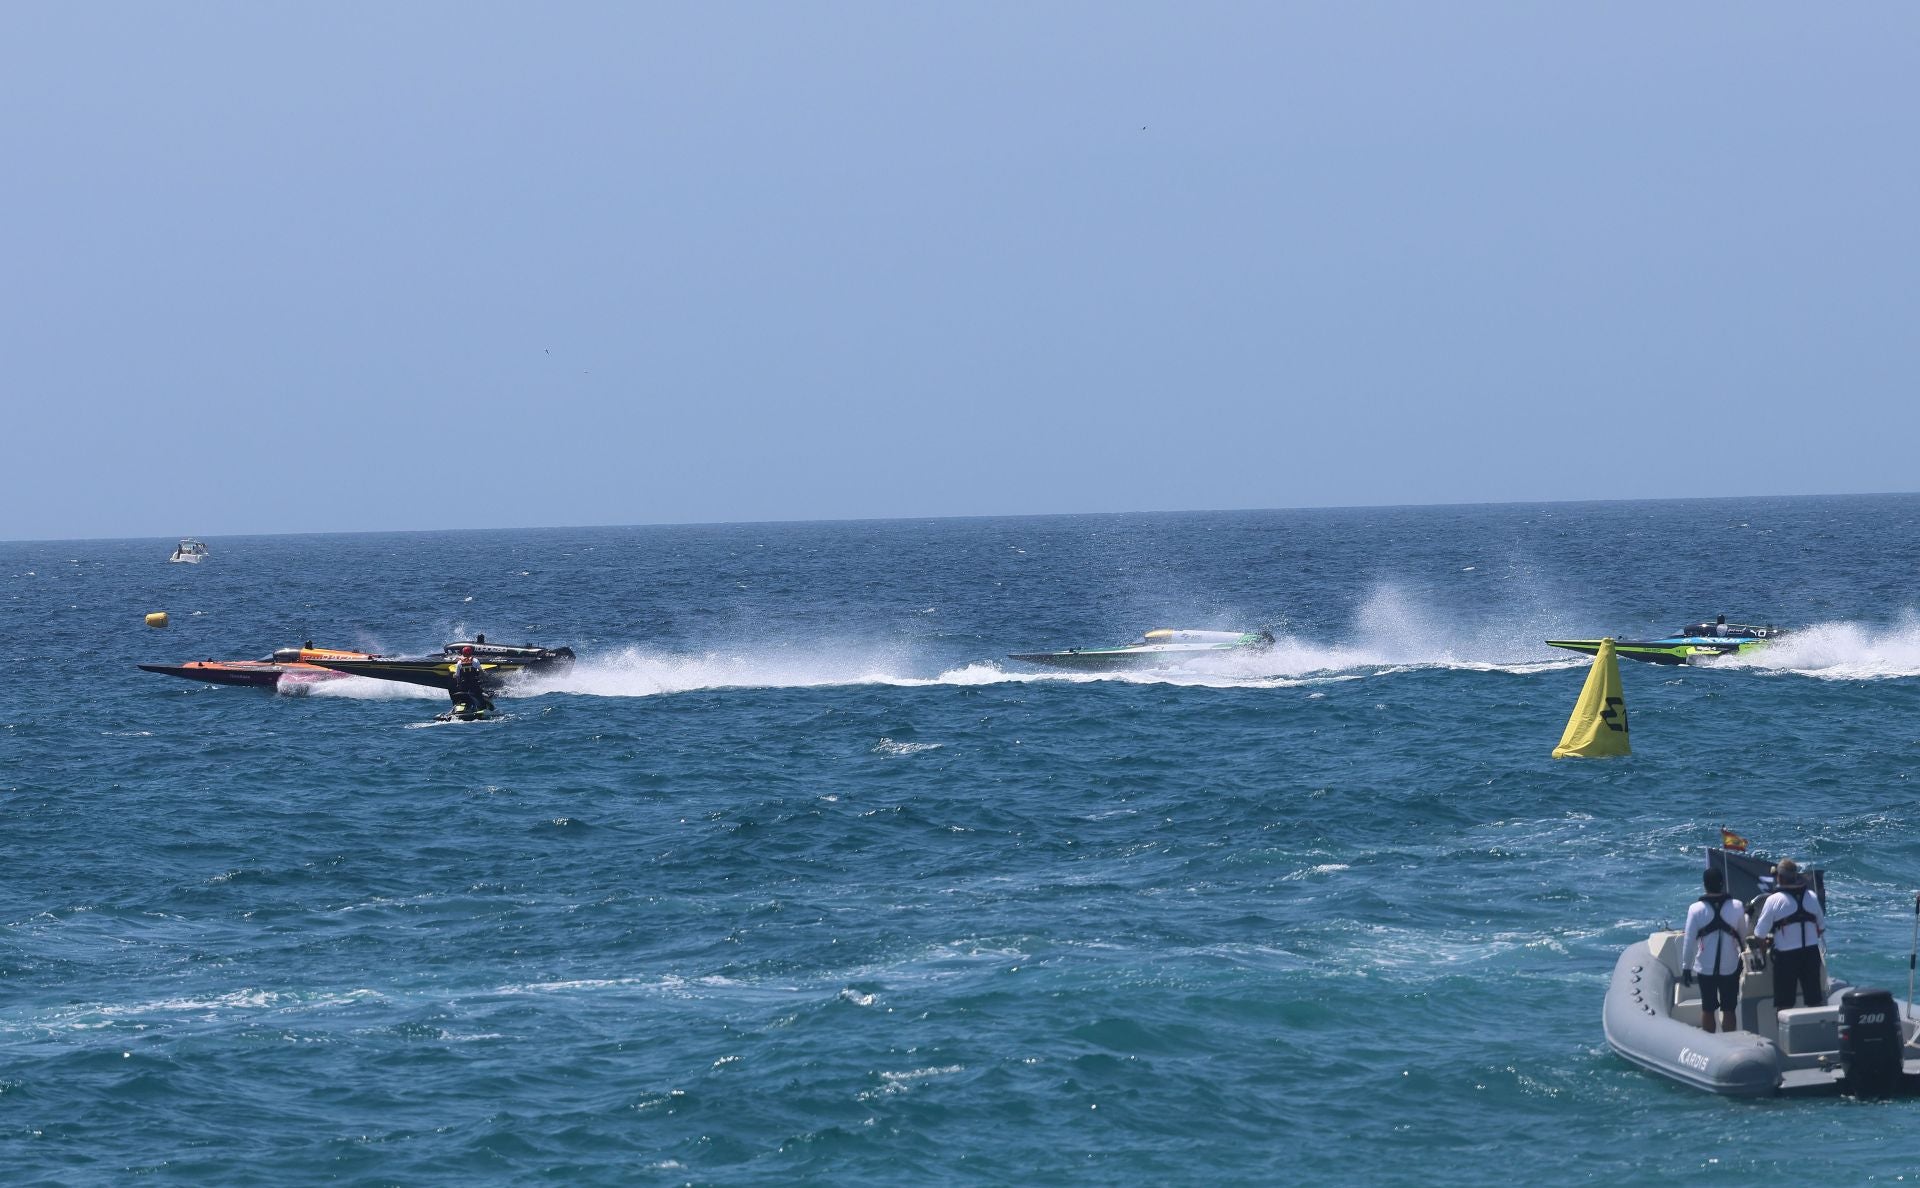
[1800, 913]
[1718, 923]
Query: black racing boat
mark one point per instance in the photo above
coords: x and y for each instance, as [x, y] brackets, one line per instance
[498, 663]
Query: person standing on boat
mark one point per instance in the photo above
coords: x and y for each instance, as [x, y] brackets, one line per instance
[1793, 920]
[1711, 949]
[467, 692]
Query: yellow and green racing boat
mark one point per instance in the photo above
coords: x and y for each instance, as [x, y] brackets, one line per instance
[1690, 645]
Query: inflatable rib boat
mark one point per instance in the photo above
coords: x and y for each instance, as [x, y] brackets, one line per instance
[1860, 1043]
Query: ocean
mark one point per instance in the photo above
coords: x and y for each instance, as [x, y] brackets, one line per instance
[796, 878]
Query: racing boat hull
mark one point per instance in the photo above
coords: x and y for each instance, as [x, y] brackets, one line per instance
[1163, 648]
[498, 663]
[1675, 650]
[1121, 658]
[256, 674]
[298, 663]
[1690, 644]
[434, 674]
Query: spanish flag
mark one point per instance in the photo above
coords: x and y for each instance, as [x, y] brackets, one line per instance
[1729, 840]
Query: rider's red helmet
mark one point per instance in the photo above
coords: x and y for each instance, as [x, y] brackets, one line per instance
[467, 651]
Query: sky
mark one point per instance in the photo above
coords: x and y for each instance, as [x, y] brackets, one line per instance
[290, 268]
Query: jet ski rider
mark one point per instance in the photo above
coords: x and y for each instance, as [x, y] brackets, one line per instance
[1716, 922]
[467, 693]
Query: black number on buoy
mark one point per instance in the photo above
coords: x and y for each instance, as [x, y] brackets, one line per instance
[1615, 714]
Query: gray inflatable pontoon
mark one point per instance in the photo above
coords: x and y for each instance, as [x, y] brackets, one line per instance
[1654, 1021]
[1858, 1044]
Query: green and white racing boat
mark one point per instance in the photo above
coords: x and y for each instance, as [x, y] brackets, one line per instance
[1167, 647]
[1689, 645]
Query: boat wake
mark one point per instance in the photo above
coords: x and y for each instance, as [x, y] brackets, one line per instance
[1388, 638]
[1839, 651]
[1211, 676]
[647, 672]
[1390, 633]
[358, 688]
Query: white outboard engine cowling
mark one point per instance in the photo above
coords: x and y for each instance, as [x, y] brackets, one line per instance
[1870, 1043]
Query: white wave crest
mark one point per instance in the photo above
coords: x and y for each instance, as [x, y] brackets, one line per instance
[358, 688]
[1223, 672]
[1391, 632]
[644, 672]
[1840, 651]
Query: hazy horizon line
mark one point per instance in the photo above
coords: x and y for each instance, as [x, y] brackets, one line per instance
[956, 516]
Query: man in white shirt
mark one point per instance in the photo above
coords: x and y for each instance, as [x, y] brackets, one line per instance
[1711, 948]
[1792, 917]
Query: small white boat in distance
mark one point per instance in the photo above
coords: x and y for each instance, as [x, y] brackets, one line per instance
[192, 552]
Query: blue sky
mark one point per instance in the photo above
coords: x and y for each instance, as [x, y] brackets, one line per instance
[278, 268]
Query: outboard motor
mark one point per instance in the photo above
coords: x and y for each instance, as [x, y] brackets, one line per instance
[1870, 1042]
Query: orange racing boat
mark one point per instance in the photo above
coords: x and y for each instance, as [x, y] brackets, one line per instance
[298, 663]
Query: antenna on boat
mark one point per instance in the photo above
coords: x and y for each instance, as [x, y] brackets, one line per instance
[1913, 954]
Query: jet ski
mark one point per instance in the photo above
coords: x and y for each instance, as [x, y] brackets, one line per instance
[467, 710]
[1858, 1044]
[498, 663]
[1690, 644]
[1162, 648]
[303, 663]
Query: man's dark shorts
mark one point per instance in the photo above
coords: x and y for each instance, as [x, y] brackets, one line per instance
[1719, 992]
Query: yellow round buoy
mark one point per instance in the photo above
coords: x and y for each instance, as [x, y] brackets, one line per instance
[157, 619]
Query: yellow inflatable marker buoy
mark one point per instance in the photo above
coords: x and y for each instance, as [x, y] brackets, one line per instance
[157, 619]
[1598, 726]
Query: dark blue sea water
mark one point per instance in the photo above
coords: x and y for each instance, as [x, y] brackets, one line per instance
[796, 879]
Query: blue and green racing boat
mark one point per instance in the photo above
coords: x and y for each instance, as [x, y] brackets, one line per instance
[1166, 647]
[1689, 645]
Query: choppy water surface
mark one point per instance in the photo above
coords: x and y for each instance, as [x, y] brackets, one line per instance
[795, 878]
